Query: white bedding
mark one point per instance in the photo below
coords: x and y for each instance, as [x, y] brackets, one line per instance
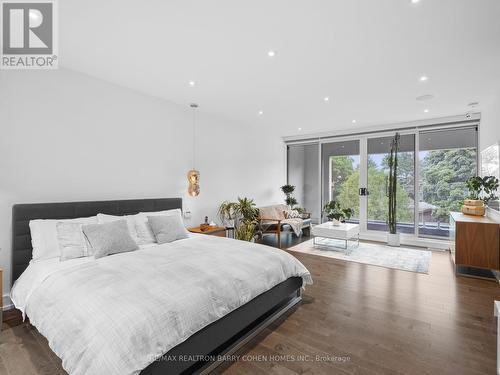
[116, 314]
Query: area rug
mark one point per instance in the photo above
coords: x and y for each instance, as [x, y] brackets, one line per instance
[400, 258]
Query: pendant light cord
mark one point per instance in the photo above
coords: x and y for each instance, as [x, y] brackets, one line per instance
[194, 106]
[194, 138]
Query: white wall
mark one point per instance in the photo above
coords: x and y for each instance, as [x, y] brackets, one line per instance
[490, 122]
[67, 137]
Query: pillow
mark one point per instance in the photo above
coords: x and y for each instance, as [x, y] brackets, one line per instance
[292, 214]
[72, 242]
[104, 218]
[144, 232]
[44, 236]
[109, 238]
[167, 228]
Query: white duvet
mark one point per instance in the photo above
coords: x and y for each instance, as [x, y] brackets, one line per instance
[115, 315]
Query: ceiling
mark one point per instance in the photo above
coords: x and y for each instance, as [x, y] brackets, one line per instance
[365, 56]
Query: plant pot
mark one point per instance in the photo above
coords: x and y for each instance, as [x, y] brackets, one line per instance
[393, 239]
[335, 222]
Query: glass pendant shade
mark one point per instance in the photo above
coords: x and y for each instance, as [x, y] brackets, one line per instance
[193, 177]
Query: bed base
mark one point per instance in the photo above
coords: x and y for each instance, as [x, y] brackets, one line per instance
[227, 335]
[250, 335]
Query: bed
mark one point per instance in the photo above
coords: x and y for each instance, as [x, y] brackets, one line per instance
[142, 312]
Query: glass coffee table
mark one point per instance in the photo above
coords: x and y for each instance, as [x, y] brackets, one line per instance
[344, 231]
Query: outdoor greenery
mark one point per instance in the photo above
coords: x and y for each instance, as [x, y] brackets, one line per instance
[442, 184]
[444, 173]
[378, 202]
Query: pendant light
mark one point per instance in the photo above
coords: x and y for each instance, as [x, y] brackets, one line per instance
[193, 175]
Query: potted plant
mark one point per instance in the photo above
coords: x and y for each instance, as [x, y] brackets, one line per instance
[475, 186]
[393, 238]
[336, 214]
[290, 200]
[482, 190]
[490, 187]
[227, 213]
[243, 214]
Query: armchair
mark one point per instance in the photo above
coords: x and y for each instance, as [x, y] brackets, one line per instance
[270, 220]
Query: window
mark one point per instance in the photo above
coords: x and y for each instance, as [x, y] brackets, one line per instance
[447, 158]
[433, 165]
[341, 175]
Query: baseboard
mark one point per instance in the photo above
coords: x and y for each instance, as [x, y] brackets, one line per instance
[7, 303]
[408, 240]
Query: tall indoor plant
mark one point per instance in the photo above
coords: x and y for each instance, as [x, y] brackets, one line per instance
[392, 183]
[243, 214]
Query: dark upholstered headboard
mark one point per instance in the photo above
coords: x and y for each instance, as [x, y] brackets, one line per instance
[23, 213]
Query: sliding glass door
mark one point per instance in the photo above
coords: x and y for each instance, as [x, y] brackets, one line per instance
[447, 158]
[433, 165]
[341, 174]
[378, 171]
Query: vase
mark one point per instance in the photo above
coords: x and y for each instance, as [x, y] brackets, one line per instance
[335, 222]
[393, 239]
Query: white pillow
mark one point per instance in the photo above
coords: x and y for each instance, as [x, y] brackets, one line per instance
[72, 242]
[131, 219]
[44, 236]
[144, 232]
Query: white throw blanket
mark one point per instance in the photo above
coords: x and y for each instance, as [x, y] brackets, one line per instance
[115, 315]
[295, 223]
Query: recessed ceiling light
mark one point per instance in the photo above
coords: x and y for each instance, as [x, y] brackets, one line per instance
[426, 110]
[299, 129]
[326, 98]
[353, 121]
[415, 1]
[192, 83]
[423, 78]
[271, 53]
[261, 112]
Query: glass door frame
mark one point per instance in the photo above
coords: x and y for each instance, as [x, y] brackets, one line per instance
[363, 171]
[415, 133]
[363, 137]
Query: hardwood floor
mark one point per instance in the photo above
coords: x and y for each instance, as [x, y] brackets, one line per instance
[362, 319]
[382, 321]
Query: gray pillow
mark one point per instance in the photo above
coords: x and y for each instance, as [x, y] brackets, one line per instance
[109, 238]
[167, 228]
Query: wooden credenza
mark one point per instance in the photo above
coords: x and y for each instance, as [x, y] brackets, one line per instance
[475, 245]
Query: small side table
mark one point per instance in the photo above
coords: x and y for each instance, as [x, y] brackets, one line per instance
[211, 231]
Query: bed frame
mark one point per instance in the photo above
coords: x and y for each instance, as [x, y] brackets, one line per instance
[207, 348]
